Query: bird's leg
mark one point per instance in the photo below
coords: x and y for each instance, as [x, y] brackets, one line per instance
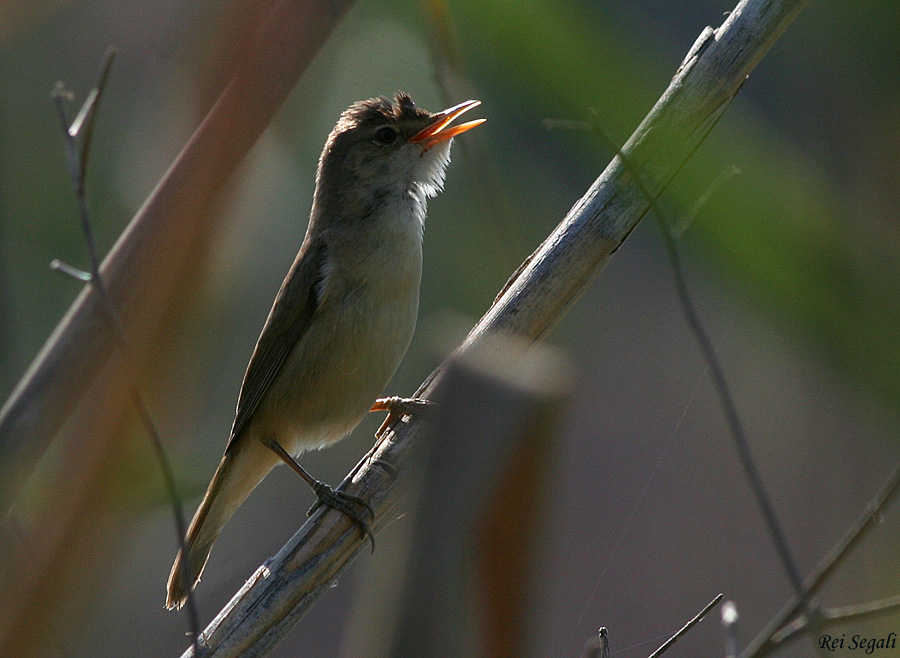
[342, 502]
[398, 407]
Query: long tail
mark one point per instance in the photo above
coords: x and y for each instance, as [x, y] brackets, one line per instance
[237, 475]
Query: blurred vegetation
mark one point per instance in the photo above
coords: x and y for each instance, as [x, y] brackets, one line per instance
[806, 236]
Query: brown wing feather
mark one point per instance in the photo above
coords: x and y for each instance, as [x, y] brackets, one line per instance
[288, 321]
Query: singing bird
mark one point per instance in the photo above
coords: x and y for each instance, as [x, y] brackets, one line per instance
[344, 315]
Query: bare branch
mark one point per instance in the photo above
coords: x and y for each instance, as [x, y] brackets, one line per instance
[763, 643]
[83, 124]
[79, 275]
[77, 159]
[688, 626]
[826, 617]
[720, 381]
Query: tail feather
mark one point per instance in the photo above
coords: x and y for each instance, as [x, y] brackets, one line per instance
[236, 476]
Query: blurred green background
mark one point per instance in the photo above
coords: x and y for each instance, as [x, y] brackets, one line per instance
[793, 263]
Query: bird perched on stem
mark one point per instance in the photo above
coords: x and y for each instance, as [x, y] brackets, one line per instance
[343, 317]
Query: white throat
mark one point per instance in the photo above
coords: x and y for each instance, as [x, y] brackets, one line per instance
[428, 180]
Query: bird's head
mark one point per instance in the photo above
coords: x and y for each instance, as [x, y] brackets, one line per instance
[380, 146]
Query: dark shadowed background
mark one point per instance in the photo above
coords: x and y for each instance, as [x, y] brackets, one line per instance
[793, 263]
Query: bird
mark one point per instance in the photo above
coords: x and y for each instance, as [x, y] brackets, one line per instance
[343, 317]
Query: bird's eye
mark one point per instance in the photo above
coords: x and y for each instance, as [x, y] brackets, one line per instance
[385, 135]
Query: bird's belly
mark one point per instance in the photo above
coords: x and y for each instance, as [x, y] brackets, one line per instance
[340, 367]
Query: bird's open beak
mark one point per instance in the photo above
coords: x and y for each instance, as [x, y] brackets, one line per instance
[437, 130]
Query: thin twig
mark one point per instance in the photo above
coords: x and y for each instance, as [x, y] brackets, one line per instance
[77, 166]
[84, 122]
[688, 626]
[58, 266]
[763, 643]
[834, 616]
[860, 610]
[720, 382]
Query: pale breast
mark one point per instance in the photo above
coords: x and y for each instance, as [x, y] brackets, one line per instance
[356, 340]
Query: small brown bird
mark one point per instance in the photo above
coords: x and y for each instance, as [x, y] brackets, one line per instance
[343, 317]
